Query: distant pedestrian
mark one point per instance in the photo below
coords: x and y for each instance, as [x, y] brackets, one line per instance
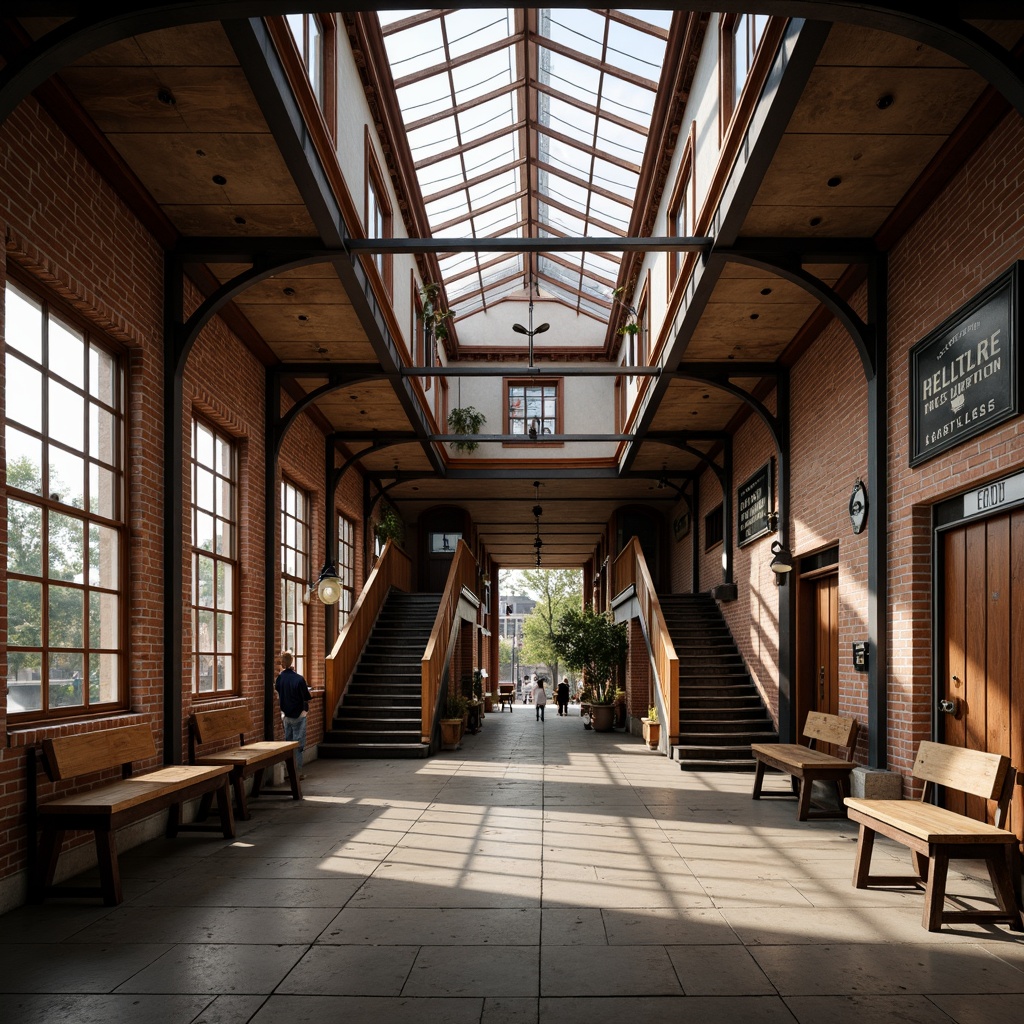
[294, 697]
[540, 697]
[563, 697]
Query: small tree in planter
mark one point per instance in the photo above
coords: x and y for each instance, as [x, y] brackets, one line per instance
[465, 420]
[592, 642]
[389, 526]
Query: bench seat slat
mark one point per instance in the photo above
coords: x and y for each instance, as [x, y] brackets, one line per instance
[929, 823]
[114, 798]
[798, 756]
[263, 752]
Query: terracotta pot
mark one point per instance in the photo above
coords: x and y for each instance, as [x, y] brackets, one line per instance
[602, 717]
[652, 731]
[451, 733]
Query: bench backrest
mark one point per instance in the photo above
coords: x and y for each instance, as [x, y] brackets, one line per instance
[831, 729]
[220, 723]
[969, 771]
[68, 756]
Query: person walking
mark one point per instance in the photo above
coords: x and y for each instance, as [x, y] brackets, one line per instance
[540, 697]
[563, 697]
[294, 697]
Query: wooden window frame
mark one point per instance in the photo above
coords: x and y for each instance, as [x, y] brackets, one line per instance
[714, 527]
[295, 584]
[730, 90]
[324, 93]
[421, 357]
[553, 382]
[47, 502]
[346, 566]
[375, 187]
[682, 205]
[230, 558]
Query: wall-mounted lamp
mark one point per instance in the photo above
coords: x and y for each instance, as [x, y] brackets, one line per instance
[328, 585]
[781, 563]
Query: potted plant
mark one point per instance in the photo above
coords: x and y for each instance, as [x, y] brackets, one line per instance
[619, 703]
[592, 642]
[389, 526]
[465, 420]
[434, 316]
[651, 727]
[452, 721]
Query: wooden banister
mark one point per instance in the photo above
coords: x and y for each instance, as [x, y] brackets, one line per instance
[461, 575]
[630, 569]
[393, 569]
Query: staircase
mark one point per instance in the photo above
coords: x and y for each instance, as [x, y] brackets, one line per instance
[380, 715]
[720, 710]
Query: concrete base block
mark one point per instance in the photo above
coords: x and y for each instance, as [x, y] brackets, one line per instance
[876, 784]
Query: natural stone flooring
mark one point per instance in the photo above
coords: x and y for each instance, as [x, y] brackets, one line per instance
[543, 873]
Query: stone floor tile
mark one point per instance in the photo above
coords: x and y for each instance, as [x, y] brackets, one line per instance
[981, 1009]
[607, 971]
[473, 971]
[216, 968]
[888, 1009]
[572, 927]
[885, 968]
[72, 967]
[216, 891]
[367, 1010]
[510, 1010]
[667, 926]
[230, 1010]
[431, 927]
[719, 971]
[447, 889]
[688, 1009]
[104, 1009]
[374, 970]
[50, 922]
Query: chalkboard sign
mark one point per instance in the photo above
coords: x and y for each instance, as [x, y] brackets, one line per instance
[754, 505]
[964, 376]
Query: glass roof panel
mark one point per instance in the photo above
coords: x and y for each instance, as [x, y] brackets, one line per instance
[474, 70]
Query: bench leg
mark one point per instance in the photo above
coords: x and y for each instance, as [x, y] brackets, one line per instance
[238, 783]
[758, 779]
[106, 859]
[293, 776]
[257, 782]
[1001, 866]
[49, 853]
[173, 820]
[227, 818]
[205, 803]
[935, 891]
[804, 806]
[862, 866]
[922, 865]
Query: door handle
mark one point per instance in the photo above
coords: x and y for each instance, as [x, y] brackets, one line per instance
[821, 686]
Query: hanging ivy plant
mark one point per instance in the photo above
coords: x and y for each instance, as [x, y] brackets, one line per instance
[465, 420]
[434, 317]
[389, 526]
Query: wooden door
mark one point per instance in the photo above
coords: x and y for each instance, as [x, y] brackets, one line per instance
[981, 668]
[826, 649]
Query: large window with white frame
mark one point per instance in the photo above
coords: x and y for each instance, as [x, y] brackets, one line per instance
[66, 523]
[214, 561]
[742, 35]
[378, 212]
[346, 567]
[309, 41]
[295, 570]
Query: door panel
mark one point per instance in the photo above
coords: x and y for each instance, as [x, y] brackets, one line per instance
[826, 650]
[982, 646]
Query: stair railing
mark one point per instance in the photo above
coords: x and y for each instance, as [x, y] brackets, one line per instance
[393, 569]
[436, 655]
[630, 569]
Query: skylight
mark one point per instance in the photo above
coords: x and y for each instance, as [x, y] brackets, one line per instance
[527, 123]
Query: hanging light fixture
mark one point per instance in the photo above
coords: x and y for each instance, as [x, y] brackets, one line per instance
[537, 513]
[782, 561]
[530, 331]
[328, 585]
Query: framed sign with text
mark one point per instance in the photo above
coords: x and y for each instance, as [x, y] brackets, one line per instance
[965, 375]
[754, 505]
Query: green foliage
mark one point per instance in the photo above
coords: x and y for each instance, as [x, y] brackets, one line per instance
[652, 714]
[504, 657]
[465, 420]
[389, 526]
[456, 705]
[594, 643]
[434, 317]
[556, 591]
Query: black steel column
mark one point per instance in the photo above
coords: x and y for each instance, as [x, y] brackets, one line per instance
[271, 556]
[787, 589]
[878, 498]
[174, 545]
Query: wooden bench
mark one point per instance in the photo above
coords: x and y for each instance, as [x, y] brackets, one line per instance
[244, 760]
[104, 807]
[807, 765]
[936, 835]
[506, 696]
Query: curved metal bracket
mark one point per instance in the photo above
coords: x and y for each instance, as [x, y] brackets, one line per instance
[863, 335]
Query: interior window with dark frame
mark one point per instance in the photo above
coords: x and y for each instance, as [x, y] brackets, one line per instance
[741, 36]
[346, 567]
[295, 571]
[533, 408]
[214, 561]
[680, 212]
[66, 528]
[378, 213]
[308, 34]
[714, 527]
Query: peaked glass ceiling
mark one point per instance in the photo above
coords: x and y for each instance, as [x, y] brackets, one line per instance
[527, 123]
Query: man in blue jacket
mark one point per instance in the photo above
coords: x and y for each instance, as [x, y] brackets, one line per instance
[294, 697]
